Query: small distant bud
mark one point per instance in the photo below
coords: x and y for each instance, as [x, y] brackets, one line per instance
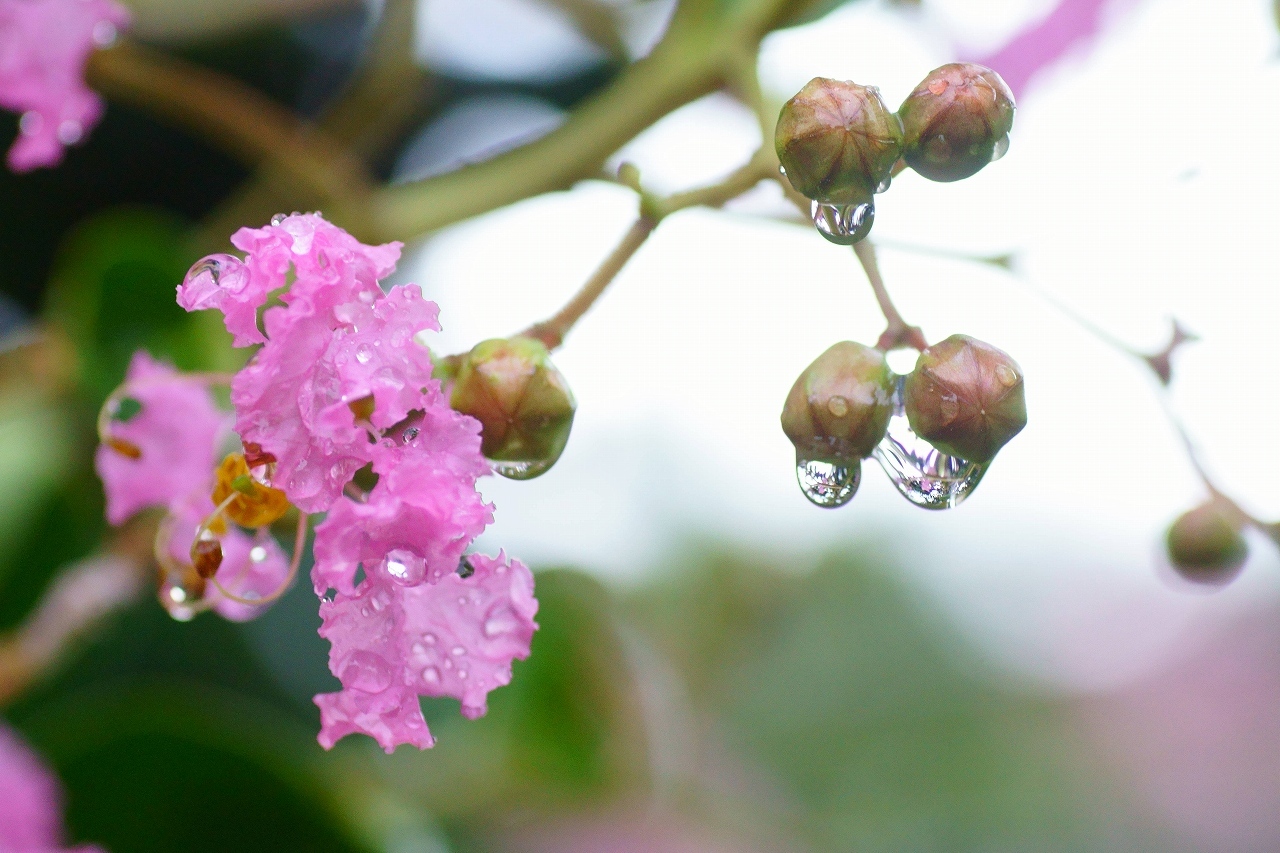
[837, 141]
[1205, 545]
[255, 504]
[523, 403]
[965, 398]
[206, 557]
[840, 405]
[956, 121]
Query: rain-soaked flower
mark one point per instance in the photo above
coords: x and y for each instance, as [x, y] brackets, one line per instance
[342, 382]
[30, 802]
[44, 45]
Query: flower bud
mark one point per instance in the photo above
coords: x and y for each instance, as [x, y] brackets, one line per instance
[1205, 545]
[965, 398]
[839, 408]
[522, 401]
[956, 121]
[837, 141]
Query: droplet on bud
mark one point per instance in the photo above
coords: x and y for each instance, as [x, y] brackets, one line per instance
[966, 398]
[920, 472]
[846, 224]
[956, 121]
[1205, 545]
[522, 401]
[837, 141]
[828, 484]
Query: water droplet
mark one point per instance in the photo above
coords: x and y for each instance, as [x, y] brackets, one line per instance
[458, 651]
[410, 434]
[431, 675]
[844, 224]
[462, 673]
[828, 484]
[364, 353]
[1007, 376]
[224, 272]
[937, 87]
[257, 553]
[923, 474]
[500, 621]
[419, 649]
[104, 34]
[366, 671]
[838, 406]
[279, 218]
[70, 132]
[883, 186]
[521, 470]
[465, 569]
[1001, 148]
[405, 567]
[30, 123]
[429, 639]
[366, 296]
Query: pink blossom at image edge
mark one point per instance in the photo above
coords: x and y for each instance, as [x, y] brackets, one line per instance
[44, 46]
[30, 801]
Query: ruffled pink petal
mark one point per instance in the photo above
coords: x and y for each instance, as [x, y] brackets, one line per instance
[30, 802]
[392, 643]
[223, 282]
[295, 398]
[176, 431]
[44, 45]
[252, 565]
[418, 519]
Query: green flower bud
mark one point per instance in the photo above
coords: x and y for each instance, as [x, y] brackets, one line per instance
[839, 408]
[837, 141]
[522, 402]
[956, 121]
[965, 398]
[1205, 545]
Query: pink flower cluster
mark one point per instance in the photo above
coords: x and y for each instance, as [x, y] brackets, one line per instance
[163, 455]
[340, 383]
[30, 801]
[44, 45]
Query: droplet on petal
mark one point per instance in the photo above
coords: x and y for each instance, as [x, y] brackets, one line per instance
[366, 671]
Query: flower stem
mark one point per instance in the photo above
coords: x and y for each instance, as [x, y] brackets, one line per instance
[898, 333]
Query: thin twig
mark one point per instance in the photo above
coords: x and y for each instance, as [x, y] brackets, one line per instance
[898, 333]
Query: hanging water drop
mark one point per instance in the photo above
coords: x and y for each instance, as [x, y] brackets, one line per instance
[844, 224]
[883, 186]
[1001, 148]
[279, 218]
[521, 470]
[923, 474]
[215, 273]
[828, 484]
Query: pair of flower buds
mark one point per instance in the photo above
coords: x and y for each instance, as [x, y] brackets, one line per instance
[839, 143]
[964, 397]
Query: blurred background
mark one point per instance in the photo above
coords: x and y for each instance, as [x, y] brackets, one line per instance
[721, 666]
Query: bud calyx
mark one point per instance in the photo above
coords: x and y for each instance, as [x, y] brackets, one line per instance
[840, 405]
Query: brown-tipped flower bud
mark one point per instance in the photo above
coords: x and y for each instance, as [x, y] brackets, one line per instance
[253, 503]
[956, 121]
[839, 408]
[1205, 545]
[965, 398]
[522, 402]
[837, 141]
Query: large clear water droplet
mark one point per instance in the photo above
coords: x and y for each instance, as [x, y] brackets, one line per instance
[923, 474]
[521, 470]
[883, 186]
[224, 272]
[366, 671]
[1001, 148]
[405, 567]
[828, 484]
[844, 224]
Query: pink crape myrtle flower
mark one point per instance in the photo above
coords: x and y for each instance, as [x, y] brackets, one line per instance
[393, 643]
[30, 801]
[176, 431]
[341, 381]
[44, 45]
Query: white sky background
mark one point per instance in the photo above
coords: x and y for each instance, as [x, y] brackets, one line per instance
[1141, 184]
